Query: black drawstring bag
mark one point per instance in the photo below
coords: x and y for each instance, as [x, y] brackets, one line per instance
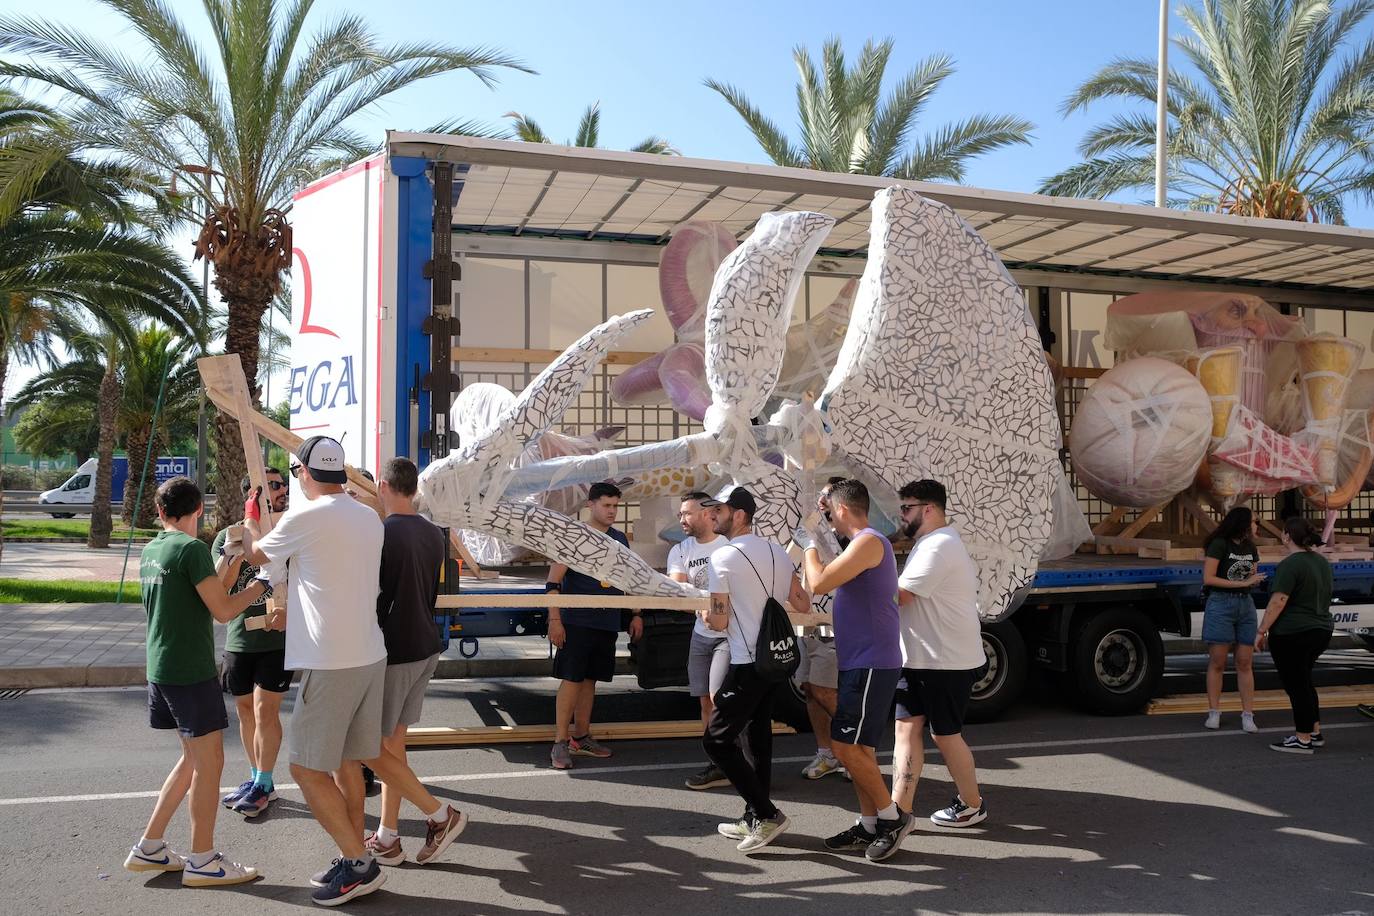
[776, 655]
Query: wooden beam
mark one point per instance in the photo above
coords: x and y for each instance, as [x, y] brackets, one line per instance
[1144, 518]
[536, 734]
[480, 599]
[1111, 521]
[1331, 697]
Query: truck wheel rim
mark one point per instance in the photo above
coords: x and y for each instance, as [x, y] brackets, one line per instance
[995, 674]
[1117, 661]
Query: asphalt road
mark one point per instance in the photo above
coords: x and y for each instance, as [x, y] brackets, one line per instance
[1088, 815]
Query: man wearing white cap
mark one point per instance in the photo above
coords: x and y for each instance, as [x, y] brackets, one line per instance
[334, 544]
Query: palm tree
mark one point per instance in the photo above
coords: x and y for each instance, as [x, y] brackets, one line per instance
[1276, 124]
[254, 113]
[124, 381]
[848, 126]
[588, 133]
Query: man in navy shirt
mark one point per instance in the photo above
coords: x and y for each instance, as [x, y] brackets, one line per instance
[585, 638]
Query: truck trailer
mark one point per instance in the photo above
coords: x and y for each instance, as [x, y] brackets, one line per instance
[443, 261]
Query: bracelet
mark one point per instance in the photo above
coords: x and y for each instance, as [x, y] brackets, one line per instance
[553, 587]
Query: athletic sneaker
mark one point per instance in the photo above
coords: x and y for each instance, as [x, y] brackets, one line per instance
[1317, 740]
[217, 872]
[890, 836]
[1366, 710]
[233, 797]
[762, 831]
[1292, 745]
[386, 855]
[255, 801]
[821, 765]
[560, 756]
[734, 830]
[959, 814]
[439, 836]
[713, 777]
[322, 878]
[855, 839]
[162, 860]
[347, 884]
[587, 746]
[1213, 720]
[1247, 723]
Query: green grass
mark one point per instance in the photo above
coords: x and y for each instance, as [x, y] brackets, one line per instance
[63, 528]
[64, 591]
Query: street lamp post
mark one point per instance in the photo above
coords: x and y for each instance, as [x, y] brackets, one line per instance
[1162, 108]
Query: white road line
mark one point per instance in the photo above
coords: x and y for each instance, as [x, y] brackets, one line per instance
[655, 767]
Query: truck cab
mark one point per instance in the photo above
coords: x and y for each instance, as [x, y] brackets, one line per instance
[79, 489]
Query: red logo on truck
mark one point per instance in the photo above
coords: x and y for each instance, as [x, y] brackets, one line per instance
[306, 326]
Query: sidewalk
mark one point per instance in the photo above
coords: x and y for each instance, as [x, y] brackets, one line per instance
[101, 645]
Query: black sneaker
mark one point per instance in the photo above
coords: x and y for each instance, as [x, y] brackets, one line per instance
[1316, 740]
[1366, 710]
[890, 836]
[855, 839]
[347, 884]
[322, 878]
[713, 777]
[959, 814]
[1292, 745]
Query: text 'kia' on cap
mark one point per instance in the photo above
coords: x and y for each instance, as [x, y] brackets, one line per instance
[323, 457]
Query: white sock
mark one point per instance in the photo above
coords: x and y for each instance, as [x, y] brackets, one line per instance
[870, 822]
[200, 859]
[825, 752]
[386, 835]
[439, 816]
[362, 864]
[889, 813]
[148, 847]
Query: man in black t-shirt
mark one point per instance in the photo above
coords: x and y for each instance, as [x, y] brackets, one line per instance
[585, 638]
[413, 552]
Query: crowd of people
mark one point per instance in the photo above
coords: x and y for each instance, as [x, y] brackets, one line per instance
[904, 650]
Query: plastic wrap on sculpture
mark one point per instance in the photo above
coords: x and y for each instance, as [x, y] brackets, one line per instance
[686, 271]
[466, 489]
[941, 376]
[812, 347]
[1141, 432]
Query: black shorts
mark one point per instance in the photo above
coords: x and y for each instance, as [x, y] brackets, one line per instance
[940, 696]
[192, 709]
[863, 705]
[587, 654]
[245, 670]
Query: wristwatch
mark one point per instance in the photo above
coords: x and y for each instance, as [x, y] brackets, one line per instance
[553, 587]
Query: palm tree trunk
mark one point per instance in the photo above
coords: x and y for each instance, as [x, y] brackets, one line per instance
[107, 404]
[4, 370]
[138, 445]
[242, 336]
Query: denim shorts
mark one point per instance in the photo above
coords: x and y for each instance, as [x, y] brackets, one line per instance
[1229, 617]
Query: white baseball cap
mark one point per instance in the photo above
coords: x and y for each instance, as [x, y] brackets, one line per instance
[323, 457]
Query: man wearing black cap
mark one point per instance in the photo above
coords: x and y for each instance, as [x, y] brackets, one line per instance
[744, 575]
[334, 544]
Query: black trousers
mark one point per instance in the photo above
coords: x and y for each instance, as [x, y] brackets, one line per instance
[744, 705]
[1294, 656]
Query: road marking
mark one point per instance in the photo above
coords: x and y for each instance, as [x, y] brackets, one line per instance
[656, 767]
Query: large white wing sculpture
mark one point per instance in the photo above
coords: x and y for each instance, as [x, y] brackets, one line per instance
[940, 375]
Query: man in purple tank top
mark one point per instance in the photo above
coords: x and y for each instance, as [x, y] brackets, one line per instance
[868, 648]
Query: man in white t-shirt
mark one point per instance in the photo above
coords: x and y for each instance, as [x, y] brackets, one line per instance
[334, 544]
[744, 574]
[708, 657]
[942, 653]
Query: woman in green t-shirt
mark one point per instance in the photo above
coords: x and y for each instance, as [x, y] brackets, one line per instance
[1229, 571]
[1297, 628]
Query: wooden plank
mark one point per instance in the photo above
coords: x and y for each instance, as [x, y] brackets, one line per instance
[1111, 521]
[518, 355]
[1134, 544]
[1144, 518]
[477, 599]
[1331, 697]
[477, 736]
[1192, 507]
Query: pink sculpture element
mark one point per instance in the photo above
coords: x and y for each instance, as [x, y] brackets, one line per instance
[685, 274]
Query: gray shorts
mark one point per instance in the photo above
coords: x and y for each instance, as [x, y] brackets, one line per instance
[405, 692]
[818, 665]
[708, 660]
[338, 716]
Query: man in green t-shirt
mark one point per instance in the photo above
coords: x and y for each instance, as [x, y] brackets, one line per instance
[182, 597]
[255, 672]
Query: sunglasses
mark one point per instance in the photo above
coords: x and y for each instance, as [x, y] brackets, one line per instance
[276, 485]
[907, 507]
[296, 471]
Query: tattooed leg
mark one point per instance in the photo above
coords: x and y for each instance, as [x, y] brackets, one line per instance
[907, 757]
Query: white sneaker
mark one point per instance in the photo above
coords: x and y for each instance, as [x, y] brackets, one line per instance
[1213, 719]
[821, 765]
[162, 860]
[216, 872]
[734, 830]
[1247, 722]
[763, 831]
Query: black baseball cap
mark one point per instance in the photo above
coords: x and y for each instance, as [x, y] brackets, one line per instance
[323, 457]
[739, 498]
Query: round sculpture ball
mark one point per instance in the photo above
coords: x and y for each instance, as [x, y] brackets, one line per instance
[1141, 432]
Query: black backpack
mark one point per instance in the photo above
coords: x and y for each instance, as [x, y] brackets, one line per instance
[776, 655]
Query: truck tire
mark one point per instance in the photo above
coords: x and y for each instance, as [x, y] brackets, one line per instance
[789, 706]
[1116, 661]
[1368, 640]
[63, 514]
[1002, 680]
